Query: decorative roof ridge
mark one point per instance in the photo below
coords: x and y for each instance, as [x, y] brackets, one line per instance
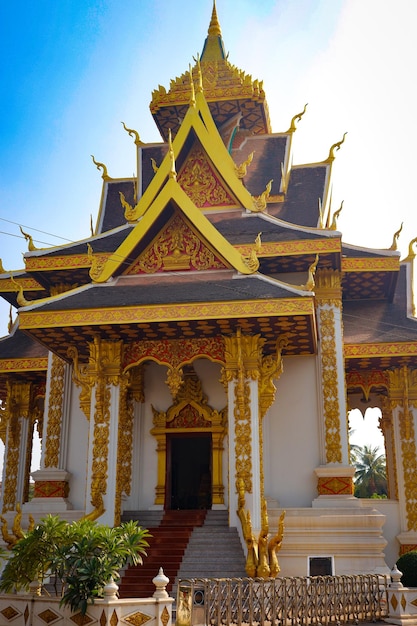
[325, 232]
[378, 252]
[295, 289]
[66, 246]
[30, 306]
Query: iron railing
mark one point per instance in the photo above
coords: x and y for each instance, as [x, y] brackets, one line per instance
[317, 601]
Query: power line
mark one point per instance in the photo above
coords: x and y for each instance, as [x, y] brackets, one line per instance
[3, 219]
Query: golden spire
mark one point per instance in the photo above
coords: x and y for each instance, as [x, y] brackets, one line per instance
[213, 46]
[214, 28]
[10, 324]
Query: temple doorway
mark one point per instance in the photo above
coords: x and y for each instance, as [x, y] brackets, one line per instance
[189, 483]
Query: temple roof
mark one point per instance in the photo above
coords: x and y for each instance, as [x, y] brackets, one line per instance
[381, 334]
[22, 359]
[175, 305]
[229, 91]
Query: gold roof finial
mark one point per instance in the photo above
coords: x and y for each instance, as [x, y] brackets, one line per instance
[20, 298]
[200, 76]
[335, 146]
[295, 119]
[155, 167]
[214, 27]
[10, 324]
[172, 172]
[213, 46]
[133, 133]
[310, 284]
[321, 214]
[335, 216]
[192, 99]
[242, 168]
[2, 270]
[411, 254]
[395, 238]
[260, 202]
[29, 239]
[101, 166]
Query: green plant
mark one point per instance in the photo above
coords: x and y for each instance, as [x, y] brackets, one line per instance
[407, 564]
[81, 558]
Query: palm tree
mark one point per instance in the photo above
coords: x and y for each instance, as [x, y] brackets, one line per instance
[371, 475]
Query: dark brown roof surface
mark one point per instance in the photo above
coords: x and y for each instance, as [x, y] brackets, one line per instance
[20, 346]
[269, 153]
[358, 252]
[241, 229]
[108, 242]
[160, 289]
[306, 186]
[113, 211]
[380, 322]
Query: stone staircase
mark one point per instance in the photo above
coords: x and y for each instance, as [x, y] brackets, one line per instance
[186, 544]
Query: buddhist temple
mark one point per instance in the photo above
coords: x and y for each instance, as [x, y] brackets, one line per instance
[202, 348]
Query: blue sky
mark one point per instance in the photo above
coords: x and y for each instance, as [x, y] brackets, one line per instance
[72, 70]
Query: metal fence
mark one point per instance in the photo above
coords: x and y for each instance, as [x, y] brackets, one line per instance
[317, 600]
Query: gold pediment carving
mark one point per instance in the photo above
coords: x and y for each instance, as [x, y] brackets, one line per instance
[200, 182]
[190, 409]
[176, 247]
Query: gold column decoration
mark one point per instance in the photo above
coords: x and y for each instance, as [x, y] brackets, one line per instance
[242, 362]
[53, 429]
[124, 445]
[403, 394]
[82, 378]
[386, 425]
[261, 557]
[329, 292]
[17, 406]
[104, 368]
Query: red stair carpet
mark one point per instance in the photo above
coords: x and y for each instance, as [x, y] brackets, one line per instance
[166, 549]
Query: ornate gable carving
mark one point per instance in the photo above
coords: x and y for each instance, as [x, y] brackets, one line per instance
[200, 182]
[177, 247]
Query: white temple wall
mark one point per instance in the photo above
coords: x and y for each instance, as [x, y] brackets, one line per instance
[77, 451]
[291, 435]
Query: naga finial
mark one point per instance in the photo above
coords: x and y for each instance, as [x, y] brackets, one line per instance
[101, 166]
[261, 201]
[241, 169]
[335, 217]
[20, 298]
[334, 148]
[29, 239]
[395, 238]
[154, 165]
[252, 261]
[321, 214]
[133, 133]
[10, 324]
[296, 118]
[310, 284]
[192, 98]
[172, 172]
[411, 254]
[200, 76]
[2, 270]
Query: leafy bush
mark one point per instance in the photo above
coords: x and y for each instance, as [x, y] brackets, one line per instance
[407, 564]
[81, 558]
